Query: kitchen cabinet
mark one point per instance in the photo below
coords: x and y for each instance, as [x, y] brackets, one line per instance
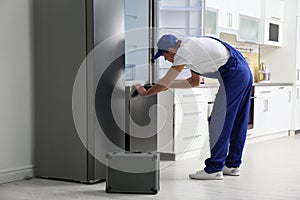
[211, 22]
[250, 8]
[274, 9]
[272, 109]
[298, 8]
[182, 121]
[298, 53]
[297, 108]
[227, 15]
[273, 13]
[249, 29]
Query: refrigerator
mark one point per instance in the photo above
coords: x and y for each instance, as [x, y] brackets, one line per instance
[79, 80]
[145, 22]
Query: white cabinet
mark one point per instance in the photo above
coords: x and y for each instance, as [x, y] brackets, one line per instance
[250, 8]
[272, 109]
[228, 14]
[273, 13]
[298, 8]
[182, 119]
[298, 53]
[249, 29]
[283, 108]
[297, 108]
[274, 9]
[263, 106]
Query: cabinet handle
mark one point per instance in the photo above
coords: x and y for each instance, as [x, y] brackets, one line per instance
[191, 95]
[229, 19]
[276, 18]
[192, 137]
[290, 96]
[265, 92]
[266, 105]
[298, 75]
[298, 93]
[192, 114]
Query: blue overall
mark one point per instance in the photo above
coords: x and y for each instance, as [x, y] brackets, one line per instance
[229, 119]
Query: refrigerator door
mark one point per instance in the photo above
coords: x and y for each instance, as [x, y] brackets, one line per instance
[181, 18]
[59, 50]
[106, 96]
[79, 86]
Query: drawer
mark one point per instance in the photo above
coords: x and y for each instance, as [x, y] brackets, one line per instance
[261, 92]
[187, 138]
[190, 113]
[192, 95]
[190, 129]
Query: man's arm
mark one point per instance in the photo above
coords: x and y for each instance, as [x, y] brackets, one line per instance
[193, 81]
[163, 84]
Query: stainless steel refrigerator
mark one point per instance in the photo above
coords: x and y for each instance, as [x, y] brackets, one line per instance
[79, 63]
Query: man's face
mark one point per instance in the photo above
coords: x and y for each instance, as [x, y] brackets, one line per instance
[169, 56]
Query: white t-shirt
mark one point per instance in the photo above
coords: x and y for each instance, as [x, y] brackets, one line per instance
[202, 55]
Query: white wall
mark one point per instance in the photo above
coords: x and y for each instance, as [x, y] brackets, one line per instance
[282, 61]
[16, 90]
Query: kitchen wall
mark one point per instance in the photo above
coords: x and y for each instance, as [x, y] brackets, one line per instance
[16, 100]
[282, 61]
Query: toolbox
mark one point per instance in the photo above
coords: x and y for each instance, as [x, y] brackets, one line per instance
[128, 172]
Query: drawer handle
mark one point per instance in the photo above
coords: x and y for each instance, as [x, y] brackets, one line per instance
[192, 114]
[191, 95]
[192, 137]
[280, 88]
[265, 92]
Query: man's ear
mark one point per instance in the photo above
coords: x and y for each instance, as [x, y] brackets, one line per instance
[172, 50]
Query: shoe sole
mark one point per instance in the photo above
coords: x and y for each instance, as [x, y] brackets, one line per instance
[231, 174]
[212, 178]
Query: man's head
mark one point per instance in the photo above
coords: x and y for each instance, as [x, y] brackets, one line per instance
[167, 46]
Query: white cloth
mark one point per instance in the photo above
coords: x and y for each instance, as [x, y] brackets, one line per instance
[202, 55]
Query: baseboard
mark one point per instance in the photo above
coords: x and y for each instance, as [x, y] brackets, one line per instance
[267, 137]
[16, 174]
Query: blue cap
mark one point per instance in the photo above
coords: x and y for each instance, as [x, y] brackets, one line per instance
[164, 43]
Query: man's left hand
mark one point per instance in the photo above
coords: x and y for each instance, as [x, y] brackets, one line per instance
[140, 89]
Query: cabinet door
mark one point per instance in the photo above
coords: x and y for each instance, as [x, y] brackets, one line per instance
[190, 126]
[263, 110]
[250, 8]
[228, 14]
[211, 22]
[262, 116]
[249, 29]
[297, 108]
[282, 108]
[298, 52]
[274, 9]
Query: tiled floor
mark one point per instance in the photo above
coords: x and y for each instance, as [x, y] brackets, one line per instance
[271, 170]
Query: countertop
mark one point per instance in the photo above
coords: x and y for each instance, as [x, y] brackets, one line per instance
[254, 84]
[273, 84]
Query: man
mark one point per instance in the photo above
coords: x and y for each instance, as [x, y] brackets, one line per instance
[210, 57]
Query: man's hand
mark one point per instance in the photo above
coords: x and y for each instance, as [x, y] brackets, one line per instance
[140, 89]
